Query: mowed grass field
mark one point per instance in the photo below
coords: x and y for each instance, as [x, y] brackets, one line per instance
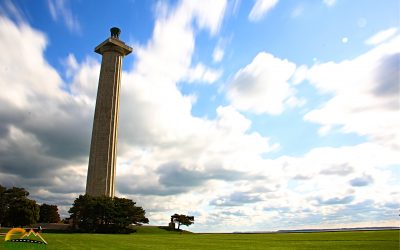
[154, 238]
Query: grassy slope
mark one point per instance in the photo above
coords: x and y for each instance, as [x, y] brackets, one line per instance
[154, 238]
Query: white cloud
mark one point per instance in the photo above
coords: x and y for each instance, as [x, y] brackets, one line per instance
[262, 86]
[170, 50]
[83, 76]
[260, 9]
[36, 67]
[38, 116]
[299, 75]
[218, 53]
[208, 14]
[59, 9]
[219, 50]
[365, 94]
[201, 73]
[161, 64]
[329, 3]
[381, 36]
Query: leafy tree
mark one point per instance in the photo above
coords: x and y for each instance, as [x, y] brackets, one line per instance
[22, 212]
[15, 207]
[81, 213]
[3, 204]
[16, 193]
[49, 214]
[105, 214]
[127, 213]
[182, 219]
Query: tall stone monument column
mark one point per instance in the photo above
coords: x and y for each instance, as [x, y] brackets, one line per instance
[103, 148]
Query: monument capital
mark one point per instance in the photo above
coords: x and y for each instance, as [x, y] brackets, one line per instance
[114, 45]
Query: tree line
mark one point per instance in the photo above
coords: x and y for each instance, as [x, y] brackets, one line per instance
[87, 214]
[16, 209]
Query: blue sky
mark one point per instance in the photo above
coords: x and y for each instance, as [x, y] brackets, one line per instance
[251, 115]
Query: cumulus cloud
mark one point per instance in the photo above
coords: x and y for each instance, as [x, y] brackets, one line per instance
[260, 9]
[173, 178]
[365, 94]
[362, 181]
[262, 86]
[336, 200]
[235, 199]
[341, 169]
[38, 151]
[24, 102]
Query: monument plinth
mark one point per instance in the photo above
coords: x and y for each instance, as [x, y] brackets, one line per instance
[103, 148]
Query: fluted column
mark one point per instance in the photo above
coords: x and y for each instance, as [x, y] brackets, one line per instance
[103, 148]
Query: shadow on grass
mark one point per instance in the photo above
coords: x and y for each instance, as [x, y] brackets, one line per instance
[174, 230]
[101, 231]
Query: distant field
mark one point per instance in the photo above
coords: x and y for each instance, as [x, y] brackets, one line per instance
[154, 238]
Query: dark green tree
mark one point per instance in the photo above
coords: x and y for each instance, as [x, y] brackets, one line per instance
[81, 212]
[3, 204]
[22, 212]
[49, 214]
[182, 219]
[128, 213]
[105, 214]
[16, 209]
[16, 193]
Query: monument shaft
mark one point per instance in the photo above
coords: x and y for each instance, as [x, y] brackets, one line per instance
[103, 148]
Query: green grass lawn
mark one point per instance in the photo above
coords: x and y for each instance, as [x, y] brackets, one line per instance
[154, 238]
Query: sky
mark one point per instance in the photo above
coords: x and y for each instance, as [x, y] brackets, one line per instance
[249, 115]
